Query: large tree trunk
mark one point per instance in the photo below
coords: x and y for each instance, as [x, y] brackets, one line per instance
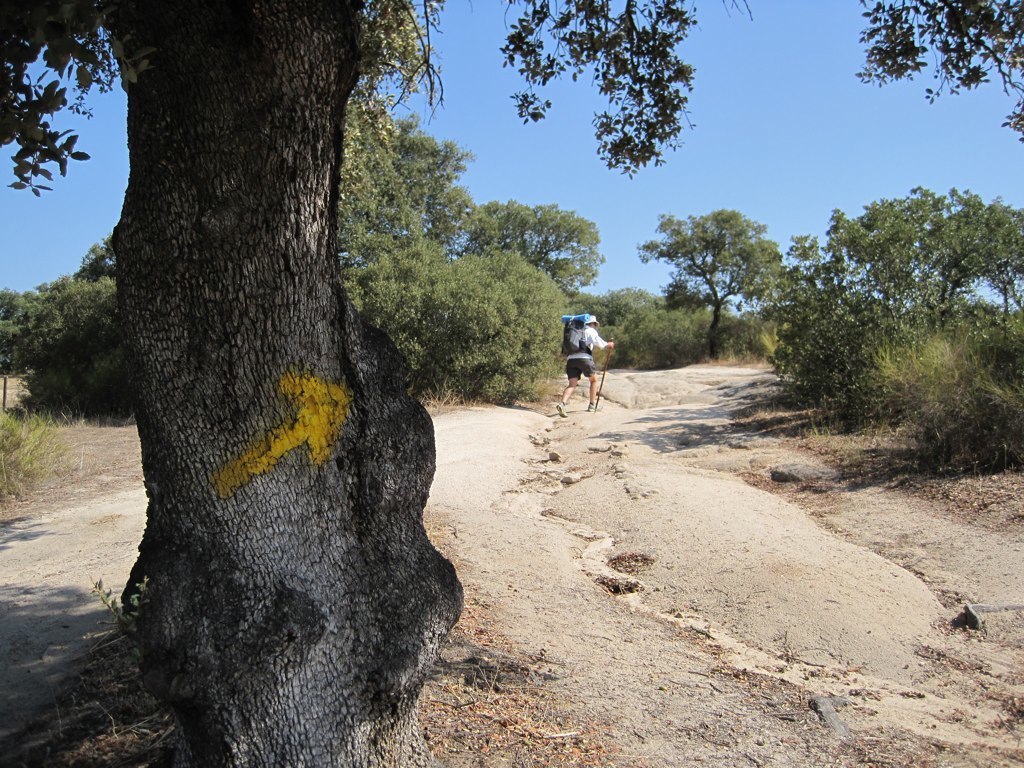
[716, 321]
[293, 601]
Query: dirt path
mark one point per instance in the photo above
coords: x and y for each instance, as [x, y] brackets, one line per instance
[743, 606]
[48, 565]
[733, 604]
[53, 549]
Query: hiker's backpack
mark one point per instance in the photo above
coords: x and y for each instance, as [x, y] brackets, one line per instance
[574, 338]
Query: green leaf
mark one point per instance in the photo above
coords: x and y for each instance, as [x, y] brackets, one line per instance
[84, 78]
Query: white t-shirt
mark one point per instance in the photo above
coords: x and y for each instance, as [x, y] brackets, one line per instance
[592, 339]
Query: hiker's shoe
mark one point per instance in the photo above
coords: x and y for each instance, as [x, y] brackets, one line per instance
[561, 410]
[592, 407]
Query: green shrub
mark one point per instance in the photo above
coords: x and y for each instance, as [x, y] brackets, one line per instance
[650, 335]
[478, 328]
[827, 339]
[747, 337]
[30, 451]
[1003, 339]
[70, 348]
[617, 308]
[661, 338]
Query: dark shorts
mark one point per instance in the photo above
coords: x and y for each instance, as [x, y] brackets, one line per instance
[580, 368]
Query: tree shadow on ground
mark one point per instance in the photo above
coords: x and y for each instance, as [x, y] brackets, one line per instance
[45, 632]
[101, 718]
[667, 430]
[21, 530]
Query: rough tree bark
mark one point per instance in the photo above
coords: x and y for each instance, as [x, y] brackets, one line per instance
[293, 600]
[716, 321]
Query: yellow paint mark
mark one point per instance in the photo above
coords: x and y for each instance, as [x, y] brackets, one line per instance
[322, 406]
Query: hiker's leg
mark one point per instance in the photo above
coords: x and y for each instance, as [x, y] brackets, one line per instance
[567, 393]
[593, 387]
[572, 373]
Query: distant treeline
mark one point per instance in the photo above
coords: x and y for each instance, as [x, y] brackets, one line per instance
[909, 315]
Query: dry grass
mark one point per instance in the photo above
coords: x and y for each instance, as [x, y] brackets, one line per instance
[992, 500]
[104, 719]
[438, 403]
[632, 563]
[489, 705]
[100, 458]
[31, 451]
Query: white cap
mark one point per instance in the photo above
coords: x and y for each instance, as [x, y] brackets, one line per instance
[593, 320]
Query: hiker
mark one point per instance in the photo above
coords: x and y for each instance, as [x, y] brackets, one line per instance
[581, 363]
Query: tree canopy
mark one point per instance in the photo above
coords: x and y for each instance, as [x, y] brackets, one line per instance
[967, 43]
[401, 190]
[398, 184]
[98, 263]
[13, 310]
[1004, 272]
[75, 46]
[558, 242]
[923, 258]
[634, 53]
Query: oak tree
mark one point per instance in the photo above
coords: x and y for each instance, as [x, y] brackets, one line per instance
[719, 258]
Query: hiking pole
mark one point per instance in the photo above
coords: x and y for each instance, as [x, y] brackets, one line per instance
[600, 389]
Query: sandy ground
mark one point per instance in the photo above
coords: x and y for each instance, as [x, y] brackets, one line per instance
[734, 602]
[743, 597]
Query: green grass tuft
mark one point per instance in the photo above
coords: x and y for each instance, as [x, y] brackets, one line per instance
[945, 394]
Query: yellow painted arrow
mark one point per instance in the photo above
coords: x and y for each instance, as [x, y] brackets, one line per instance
[322, 406]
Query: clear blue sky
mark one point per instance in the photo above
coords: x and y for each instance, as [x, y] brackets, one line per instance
[784, 133]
